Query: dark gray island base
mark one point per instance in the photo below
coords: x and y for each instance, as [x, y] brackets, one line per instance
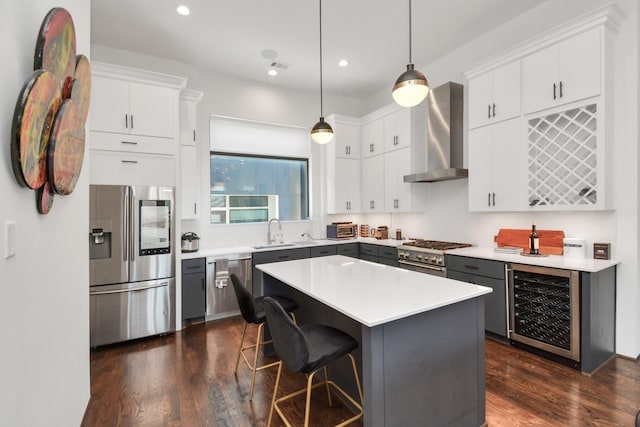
[426, 369]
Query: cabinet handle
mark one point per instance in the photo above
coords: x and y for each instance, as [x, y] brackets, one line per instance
[195, 208]
[488, 199]
[129, 142]
[488, 111]
[560, 89]
[283, 257]
[493, 195]
[126, 121]
[471, 267]
[194, 135]
[494, 110]
[133, 162]
[554, 91]
[131, 121]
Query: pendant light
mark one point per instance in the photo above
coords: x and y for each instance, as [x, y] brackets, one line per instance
[321, 132]
[412, 86]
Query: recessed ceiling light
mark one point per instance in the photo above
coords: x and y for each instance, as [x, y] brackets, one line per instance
[183, 10]
[273, 72]
[343, 63]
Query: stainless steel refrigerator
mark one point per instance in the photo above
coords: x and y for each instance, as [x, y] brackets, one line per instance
[132, 262]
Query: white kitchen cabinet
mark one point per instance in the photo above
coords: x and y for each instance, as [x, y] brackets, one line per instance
[372, 138]
[188, 116]
[122, 168]
[373, 184]
[343, 166]
[494, 95]
[397, 129]
[120, 106]
[401, 196]
[190, 182]
[564, 72]
[496, 167]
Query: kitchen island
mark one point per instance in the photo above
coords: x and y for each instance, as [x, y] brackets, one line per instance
[421, 354]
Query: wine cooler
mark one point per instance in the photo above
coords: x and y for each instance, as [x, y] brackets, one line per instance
[545, 309]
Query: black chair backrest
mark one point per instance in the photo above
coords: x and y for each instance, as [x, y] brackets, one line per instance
[288, 339]
[245, 300]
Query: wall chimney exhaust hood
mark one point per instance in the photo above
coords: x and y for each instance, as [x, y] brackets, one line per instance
[444, 136]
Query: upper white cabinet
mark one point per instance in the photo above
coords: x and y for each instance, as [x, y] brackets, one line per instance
[401, 196]
[373, 184]
[494, 95]
[133, 108]
[563, 72]
[372, 138]
[188, 116]
[397, 129]
[343, 166]
[134, 125]
[496, 167]
[555, 154]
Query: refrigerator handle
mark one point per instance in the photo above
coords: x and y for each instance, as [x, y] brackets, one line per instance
[125, 228]
[132, 224]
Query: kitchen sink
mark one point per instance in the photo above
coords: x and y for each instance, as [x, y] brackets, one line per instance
[279, 245]
[306, 242]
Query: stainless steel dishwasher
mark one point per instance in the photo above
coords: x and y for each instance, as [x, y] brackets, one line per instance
[221, 299]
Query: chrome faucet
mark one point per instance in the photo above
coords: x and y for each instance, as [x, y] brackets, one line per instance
[308, 235]
[275, 238]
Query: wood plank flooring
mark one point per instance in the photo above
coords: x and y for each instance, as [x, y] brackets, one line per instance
[186, 379]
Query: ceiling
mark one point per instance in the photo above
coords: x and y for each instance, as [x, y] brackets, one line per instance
[229, 36]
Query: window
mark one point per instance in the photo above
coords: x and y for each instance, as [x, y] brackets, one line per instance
[248, 188]
[258, 171]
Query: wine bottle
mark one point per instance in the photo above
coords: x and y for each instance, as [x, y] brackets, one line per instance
[534, 241]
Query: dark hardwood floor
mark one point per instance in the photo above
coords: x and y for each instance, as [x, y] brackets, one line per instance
[186, 379]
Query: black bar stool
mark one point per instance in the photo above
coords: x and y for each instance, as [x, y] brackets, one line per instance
[252, 312]
[307, 349]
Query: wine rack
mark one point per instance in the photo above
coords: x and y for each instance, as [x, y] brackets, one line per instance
[545, 309]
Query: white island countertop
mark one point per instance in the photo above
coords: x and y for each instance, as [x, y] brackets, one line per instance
[370, 293]
[554, 261]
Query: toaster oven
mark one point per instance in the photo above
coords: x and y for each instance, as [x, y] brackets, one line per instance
[342, 230]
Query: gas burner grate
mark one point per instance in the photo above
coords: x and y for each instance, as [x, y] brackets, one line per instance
[436, 244]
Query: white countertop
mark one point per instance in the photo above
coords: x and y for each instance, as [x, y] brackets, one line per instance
[302, 244]
[554, 261]
[370, 293]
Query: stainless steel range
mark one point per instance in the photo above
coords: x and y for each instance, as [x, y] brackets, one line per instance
[426, 256]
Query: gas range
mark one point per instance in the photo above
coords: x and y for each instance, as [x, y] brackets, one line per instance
[427, 256]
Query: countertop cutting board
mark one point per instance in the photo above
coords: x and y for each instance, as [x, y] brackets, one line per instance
[550, 240]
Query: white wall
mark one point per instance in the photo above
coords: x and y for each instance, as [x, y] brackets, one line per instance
[44, 294]
[448, 207]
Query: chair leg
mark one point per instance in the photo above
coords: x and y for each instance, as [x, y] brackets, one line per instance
[326, 381]
[275, 390]
[307, 407]
[244, 331]
[355, 374]
[255, 360]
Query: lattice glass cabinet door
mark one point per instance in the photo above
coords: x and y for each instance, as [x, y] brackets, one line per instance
[562, 159]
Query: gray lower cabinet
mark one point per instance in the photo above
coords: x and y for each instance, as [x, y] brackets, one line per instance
[273, 256]
[323, 251]
[381, 254]
[492, 275]
[193, 288]
[348, 249]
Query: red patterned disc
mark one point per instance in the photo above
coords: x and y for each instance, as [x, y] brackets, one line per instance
[56, 46]
[66, 148]
[44, 198]
[37, 104]
[81, 90]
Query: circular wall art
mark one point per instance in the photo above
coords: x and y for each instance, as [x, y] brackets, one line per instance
[81, 89]
[66, 148]
[56, 48]
[37, 104]
[44, 198]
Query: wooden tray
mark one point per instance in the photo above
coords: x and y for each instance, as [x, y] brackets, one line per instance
[550, 240]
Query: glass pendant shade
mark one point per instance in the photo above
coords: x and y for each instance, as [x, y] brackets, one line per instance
[322, 132]
[411, 88]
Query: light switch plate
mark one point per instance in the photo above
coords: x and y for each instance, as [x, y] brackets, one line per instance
[9, 239]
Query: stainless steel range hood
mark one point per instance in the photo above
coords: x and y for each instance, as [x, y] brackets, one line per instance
[444, 136]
